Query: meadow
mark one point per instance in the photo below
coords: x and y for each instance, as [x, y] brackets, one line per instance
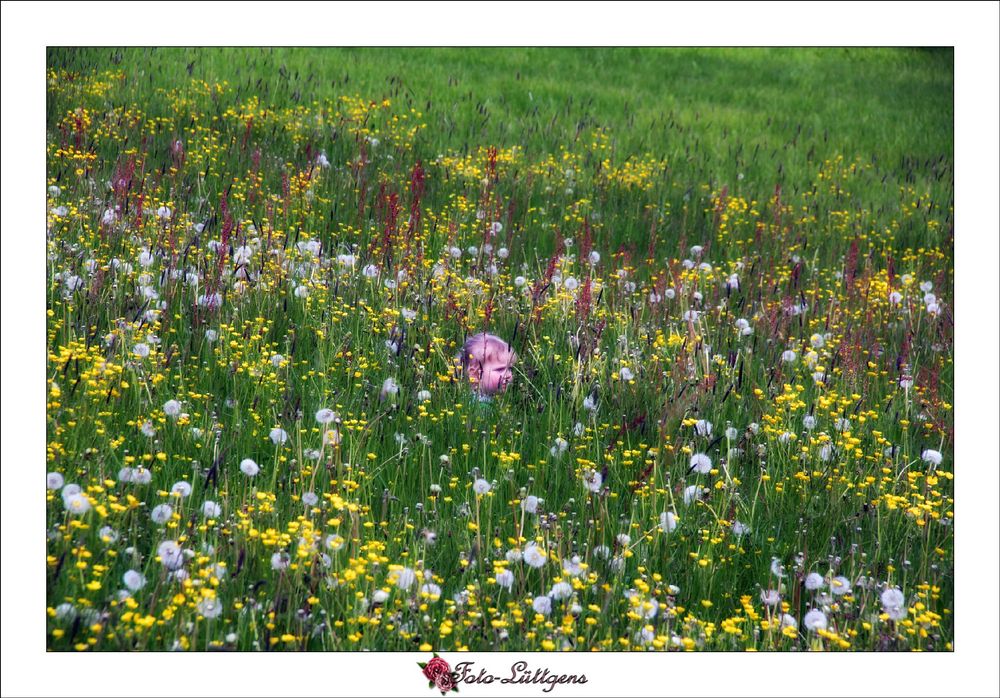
[727, 274]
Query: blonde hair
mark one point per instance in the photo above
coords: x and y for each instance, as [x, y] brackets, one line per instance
[482, 347]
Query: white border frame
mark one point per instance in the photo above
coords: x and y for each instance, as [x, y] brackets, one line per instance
[971, 27]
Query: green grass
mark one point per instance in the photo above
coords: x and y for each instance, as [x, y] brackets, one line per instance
[821, 178]
[892, 104]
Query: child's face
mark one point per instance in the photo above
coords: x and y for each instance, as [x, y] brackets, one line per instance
[495, 373]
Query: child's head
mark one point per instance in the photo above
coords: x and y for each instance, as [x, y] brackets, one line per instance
[487, 361]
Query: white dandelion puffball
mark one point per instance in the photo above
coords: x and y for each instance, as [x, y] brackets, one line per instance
[325, 416]
[66, 611]
[210, 509]
[310, 499]
[840, 586]
[431, 590]
[513, 555]
[519, 281]
[561, 590]
[809, 422]
[278, 436]
[893, 598]
[134, 580]
[931, 456]
[505, 579]
[732, 433]
[530, 504]
[776, 568]
[76, 503]
[54, 481]
[405, 578]
[182, 488]
[542, 604]
[481, 486]
[249, 467]
[626, 374]
[573, 567]
[389, 388]
[161, 513]
[701, 463]
[423, 396]
[280, 560]
[740, 528]
[593, 480]
[141, 350]
[770, 597]
[649, 608]
[814, 581]
[703, 427]
[815, 620]
[210, 607]
[571, 284]
[668, 522]
[692, 493]
[172, 408]
[164, 213]
[535, 556]
[170, 554]
[789, 356]
[894, 604]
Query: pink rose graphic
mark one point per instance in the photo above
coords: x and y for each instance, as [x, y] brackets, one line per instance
[439, 675]
[445, 682]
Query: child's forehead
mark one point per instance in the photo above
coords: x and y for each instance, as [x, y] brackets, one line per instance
[491, 348]
[500, 353]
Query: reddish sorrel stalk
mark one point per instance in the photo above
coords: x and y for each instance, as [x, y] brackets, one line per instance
[543, 283]
[254, 170]
[387, 208]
